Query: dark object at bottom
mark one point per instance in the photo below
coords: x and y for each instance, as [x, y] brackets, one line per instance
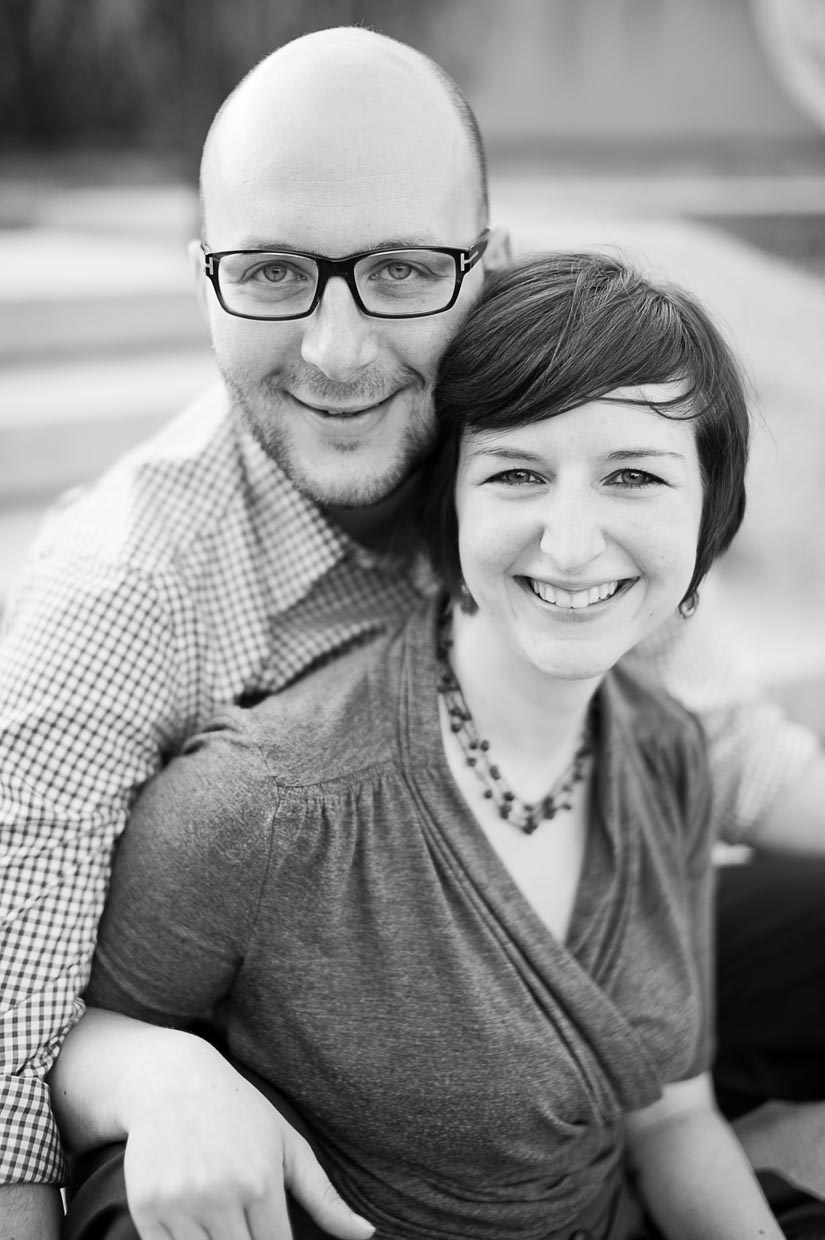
[801, 1216]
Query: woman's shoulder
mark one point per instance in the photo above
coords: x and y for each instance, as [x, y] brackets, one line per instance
[663, 743]
[335, 721]
[660, 728]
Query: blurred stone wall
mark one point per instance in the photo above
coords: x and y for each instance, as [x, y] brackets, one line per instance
[660, 72]
[542, 73]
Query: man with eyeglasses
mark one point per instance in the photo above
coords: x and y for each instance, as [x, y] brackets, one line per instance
[345, 235]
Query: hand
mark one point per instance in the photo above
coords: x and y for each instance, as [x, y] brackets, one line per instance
[207, 1156]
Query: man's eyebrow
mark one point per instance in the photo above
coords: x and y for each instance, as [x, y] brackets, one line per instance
[384, 243]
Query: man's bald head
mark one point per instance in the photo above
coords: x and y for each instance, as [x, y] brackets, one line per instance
[348, 82]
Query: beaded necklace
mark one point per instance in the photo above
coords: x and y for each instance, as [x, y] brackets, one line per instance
[521, 814]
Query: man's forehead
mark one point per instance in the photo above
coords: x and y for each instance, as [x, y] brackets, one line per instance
[367, 183]
[340, 131]
[381, 137]
[339, 220]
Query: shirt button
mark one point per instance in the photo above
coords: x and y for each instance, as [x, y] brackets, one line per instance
[580, 1234]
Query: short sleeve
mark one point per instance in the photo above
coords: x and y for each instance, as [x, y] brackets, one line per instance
[187, 881]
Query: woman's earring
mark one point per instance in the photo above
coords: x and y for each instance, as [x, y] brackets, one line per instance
[688, 605]
[466, 602]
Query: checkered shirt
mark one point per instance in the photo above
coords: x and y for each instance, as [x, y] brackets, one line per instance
[192, 575]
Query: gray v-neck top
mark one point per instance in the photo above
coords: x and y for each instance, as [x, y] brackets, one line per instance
[310, 867]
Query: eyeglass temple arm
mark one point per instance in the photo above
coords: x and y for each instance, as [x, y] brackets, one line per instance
[475, 251]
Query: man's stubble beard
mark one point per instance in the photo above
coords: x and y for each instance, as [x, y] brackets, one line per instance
[414, 447]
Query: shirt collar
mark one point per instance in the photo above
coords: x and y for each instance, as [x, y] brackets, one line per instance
[298, 545]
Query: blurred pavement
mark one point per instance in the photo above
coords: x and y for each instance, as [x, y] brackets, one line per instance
[101, 341]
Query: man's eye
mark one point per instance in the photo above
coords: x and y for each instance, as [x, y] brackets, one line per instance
[400, 272]
[274, 273]
[634, 479]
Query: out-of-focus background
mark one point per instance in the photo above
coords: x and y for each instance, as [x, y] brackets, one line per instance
[688, 133]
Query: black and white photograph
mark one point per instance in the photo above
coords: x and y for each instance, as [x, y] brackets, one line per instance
[412, 619]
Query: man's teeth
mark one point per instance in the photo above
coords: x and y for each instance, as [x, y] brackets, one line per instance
[576, 599]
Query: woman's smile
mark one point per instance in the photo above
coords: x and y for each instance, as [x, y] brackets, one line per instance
[576, 597]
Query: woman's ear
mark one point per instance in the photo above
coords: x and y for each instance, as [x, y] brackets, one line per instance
[499, 252]
[195, 251]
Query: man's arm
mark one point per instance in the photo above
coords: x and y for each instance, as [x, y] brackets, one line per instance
[89, 690]
[30, 1212]
[767, 769]
[795, 821]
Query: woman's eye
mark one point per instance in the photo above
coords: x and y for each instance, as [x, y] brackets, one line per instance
[515, 477]
[634, 479]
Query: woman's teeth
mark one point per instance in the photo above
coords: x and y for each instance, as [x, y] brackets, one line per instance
[576, 599]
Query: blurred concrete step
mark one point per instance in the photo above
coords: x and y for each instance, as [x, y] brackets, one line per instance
[93, 325]
[67, 293]
[139, 209]
[63, 422]
[18, 527]
[669, 193]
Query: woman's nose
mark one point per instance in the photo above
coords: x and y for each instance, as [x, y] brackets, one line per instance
[572, 533]
[338, 339]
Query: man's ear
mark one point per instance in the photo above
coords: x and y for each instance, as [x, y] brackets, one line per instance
[201, 291]
[499, 252]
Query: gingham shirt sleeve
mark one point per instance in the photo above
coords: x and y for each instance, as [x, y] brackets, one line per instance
[755, 751]
[91, 676]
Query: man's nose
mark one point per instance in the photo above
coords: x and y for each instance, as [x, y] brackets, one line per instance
[572, 533]
[338, 339]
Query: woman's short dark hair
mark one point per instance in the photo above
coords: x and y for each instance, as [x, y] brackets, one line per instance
[556, 331]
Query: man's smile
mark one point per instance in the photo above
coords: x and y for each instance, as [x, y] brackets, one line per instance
[340, 411]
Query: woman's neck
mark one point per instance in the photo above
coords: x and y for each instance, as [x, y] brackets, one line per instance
[533, 721]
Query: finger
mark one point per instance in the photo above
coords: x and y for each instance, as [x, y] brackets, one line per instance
[156, 1228]
[151, 1229]
[268, 1219]
[306, 1180]
[229, 1224]
[186, 1229]
[214, 1223]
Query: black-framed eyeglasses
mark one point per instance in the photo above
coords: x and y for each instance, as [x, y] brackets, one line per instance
[385, 284]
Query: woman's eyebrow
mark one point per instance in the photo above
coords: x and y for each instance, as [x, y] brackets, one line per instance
[475, 450]
[627, 454]
[508, 454]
